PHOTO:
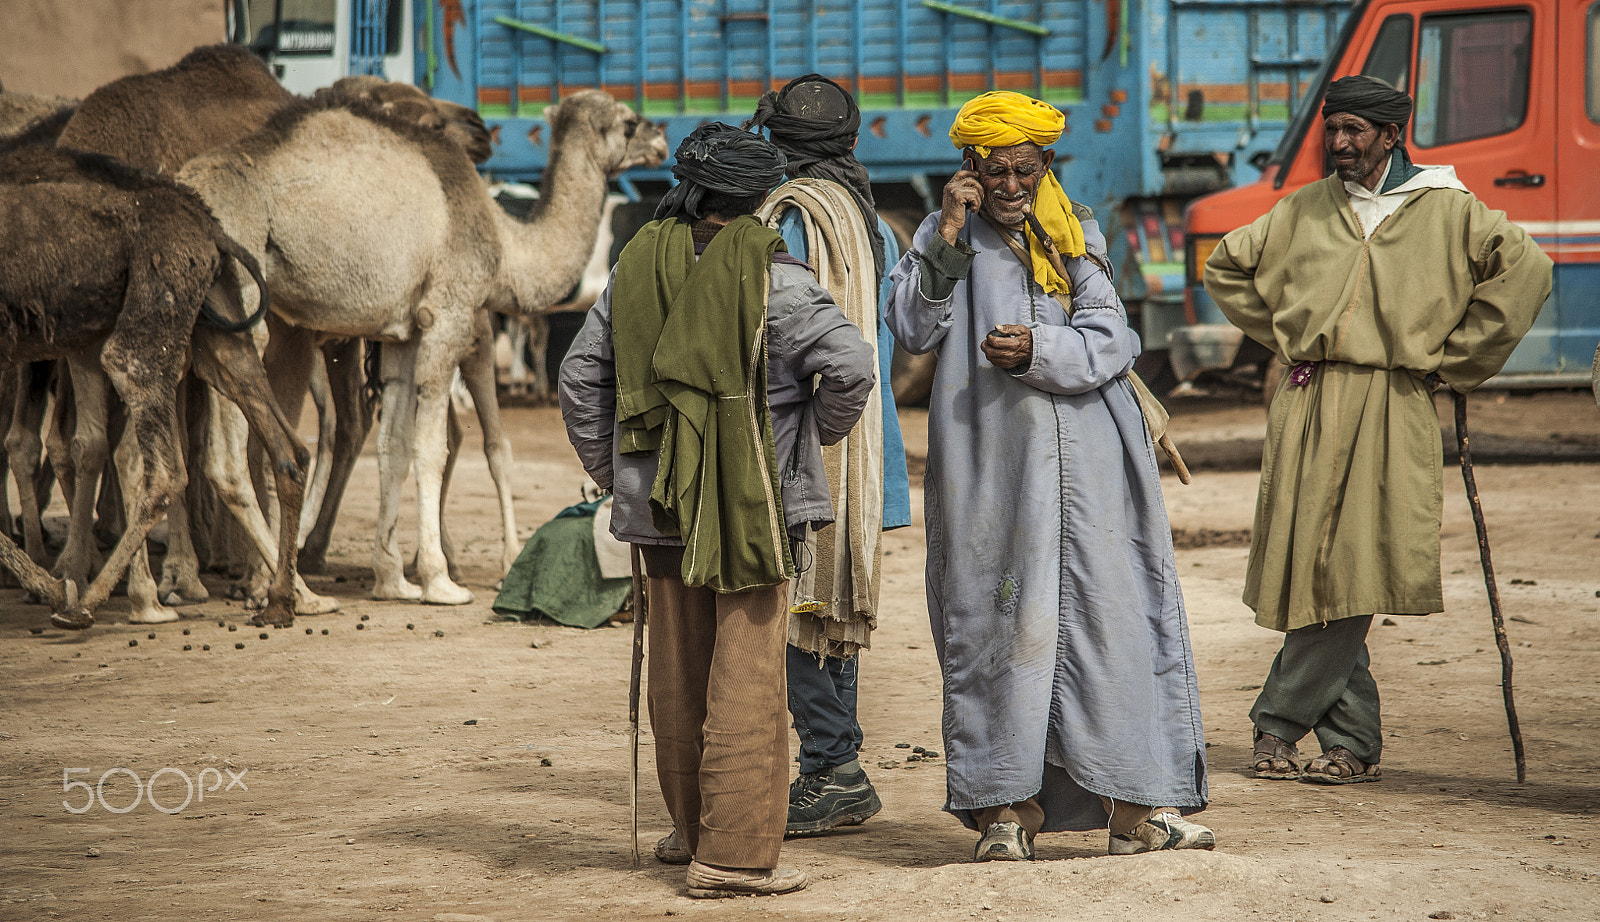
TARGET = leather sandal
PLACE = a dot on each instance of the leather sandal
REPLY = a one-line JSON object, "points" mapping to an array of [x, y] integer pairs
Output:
{"points": [[1339, 766], [1275, 759]]}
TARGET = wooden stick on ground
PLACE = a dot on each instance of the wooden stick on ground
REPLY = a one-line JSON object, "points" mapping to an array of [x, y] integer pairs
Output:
{"points": [[633, 699], [1500, 638]]}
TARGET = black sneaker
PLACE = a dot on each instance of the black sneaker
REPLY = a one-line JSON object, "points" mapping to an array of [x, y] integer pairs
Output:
{"points": [[829, 799]]}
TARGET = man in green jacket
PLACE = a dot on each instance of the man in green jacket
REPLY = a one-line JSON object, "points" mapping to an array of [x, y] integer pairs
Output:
{"points": [[1375, 285], [700, 391]]}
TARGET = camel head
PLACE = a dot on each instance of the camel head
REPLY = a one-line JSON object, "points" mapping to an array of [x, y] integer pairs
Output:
{"points": [[612, 135], [459, 124]]}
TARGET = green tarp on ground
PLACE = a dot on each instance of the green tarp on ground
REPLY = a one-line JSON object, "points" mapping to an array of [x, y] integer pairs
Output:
{"points": [[557, 576]]}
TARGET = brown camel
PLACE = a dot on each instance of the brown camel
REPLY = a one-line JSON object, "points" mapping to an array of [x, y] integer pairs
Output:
{"points": [[157, 121], [375, 228], [162, 263]]}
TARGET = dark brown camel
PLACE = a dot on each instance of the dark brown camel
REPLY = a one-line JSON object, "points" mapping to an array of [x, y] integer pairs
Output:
{"points": [[161, 263], [157, 121]]}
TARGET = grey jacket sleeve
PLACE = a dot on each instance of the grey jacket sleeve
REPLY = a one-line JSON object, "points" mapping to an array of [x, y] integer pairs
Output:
{"points": [[588, 393], [809, 333]]}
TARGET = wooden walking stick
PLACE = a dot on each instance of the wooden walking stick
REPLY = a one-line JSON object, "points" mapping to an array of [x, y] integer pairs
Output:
{"points": [[1500, 638], [633, 699]]}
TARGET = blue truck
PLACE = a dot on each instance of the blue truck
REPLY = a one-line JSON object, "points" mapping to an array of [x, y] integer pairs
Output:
{"points": [[1165, 99]]}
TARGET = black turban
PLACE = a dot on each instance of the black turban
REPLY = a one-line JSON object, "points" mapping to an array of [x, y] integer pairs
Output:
{"points": [[816, 130], [1369, 98], [720, 158]]}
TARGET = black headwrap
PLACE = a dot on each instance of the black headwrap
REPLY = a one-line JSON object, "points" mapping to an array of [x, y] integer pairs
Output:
{"points": [[1369, 98], [821, 145], [1381, 104], [720, 158]]}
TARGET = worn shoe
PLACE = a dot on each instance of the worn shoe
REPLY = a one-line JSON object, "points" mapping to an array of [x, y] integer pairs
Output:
{"points": [[671, 850], [710, 883], [1163, 832], [1004, 842], [829, 799]]}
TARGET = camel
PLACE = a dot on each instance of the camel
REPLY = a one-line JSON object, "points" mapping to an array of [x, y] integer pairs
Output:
{"points": [[157, 121], [24, 396], [161, 289], [19, 110], [369, 227]]}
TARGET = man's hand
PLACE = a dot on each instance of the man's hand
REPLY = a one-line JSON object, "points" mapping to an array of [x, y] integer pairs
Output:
{"points": [[961, 193], [1008, 345]]}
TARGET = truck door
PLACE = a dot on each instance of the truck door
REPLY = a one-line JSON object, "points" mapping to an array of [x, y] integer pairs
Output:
{"points": [[1486, 90], [1574, 242]]}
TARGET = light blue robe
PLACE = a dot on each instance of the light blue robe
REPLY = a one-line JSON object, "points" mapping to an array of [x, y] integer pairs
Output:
{"points": [[896, 479], [1052, 589]]}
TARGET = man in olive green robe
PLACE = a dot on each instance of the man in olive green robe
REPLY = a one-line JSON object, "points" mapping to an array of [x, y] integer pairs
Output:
{"points": [[1376, 285]]}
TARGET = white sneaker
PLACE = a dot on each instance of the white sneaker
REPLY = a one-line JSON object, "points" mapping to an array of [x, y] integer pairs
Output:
{"points": [[1004, 842], [1163, 832]]}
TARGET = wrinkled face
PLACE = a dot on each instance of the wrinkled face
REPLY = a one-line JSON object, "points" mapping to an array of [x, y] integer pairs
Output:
{"points": [[1357, 147], [1010, 177]]}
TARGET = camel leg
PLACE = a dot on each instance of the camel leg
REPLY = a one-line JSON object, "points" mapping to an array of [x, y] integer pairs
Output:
{"points": [[517, 376], [57, 441], [538, 349], [394, 460], [110, 519], [143, 360], [436, 362], [91, 394], [327, 427], [454, 436], [353, 416], [144, 604], [180, 571], [232, 366], [25, 452], [478, 373]]}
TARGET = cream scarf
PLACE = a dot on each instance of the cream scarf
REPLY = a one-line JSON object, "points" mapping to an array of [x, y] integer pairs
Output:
{"points": [[834, 599]]}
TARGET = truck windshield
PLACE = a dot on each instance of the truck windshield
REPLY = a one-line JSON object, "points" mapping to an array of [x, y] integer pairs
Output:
{"points": [[285, 27], [1311, 102]]}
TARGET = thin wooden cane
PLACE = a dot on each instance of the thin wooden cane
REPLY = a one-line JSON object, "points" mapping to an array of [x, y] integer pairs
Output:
{"points": [[1500, 638], [639, 608]]}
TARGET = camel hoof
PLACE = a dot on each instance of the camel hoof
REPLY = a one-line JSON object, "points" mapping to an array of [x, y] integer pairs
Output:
{"points": [[154, 616], [444, 592], [315, 565], [309, 603], [183, 592], [397, 592], [273, 618], [73, 619]]}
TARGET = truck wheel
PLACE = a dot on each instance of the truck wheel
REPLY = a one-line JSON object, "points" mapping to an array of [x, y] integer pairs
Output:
{"points": [[911, 377], [1594, 376], [1270, 379]]}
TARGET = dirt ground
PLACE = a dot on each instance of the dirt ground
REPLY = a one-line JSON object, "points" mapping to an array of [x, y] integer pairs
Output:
{"points": [[397, 761]]}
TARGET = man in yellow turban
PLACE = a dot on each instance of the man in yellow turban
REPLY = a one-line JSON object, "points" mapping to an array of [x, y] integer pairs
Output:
{"points": [[1070, 700]]}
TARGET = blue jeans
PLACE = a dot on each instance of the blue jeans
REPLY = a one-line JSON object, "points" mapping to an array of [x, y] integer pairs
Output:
{"points": [[823, 704]]}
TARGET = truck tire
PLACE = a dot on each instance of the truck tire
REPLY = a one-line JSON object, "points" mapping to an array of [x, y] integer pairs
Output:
{"points": [[911, 377], [1594, 376], [1271, 377]]}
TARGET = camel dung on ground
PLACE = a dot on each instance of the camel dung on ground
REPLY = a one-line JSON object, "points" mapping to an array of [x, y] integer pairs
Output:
{"points": [[162, 263], [368, 227]]}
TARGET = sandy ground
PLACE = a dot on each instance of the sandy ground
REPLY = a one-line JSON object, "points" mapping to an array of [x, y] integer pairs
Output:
{"points": [[408, 762]]}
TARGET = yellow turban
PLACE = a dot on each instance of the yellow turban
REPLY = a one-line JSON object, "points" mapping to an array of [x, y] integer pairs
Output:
{"points": [[1004, 119]]}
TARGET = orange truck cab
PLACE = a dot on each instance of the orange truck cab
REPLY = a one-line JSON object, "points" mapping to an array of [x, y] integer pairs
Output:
{"points": [[1509, 94]]}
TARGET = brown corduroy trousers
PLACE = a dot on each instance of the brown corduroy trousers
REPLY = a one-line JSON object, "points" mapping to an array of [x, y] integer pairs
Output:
{"points": [[719, 713]]}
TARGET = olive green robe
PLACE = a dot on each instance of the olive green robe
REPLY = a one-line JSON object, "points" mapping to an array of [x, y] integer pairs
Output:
{"points": [[1347, 519]]}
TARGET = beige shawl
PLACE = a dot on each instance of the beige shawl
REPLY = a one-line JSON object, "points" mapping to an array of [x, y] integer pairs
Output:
{"points": [[834, 599]]}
